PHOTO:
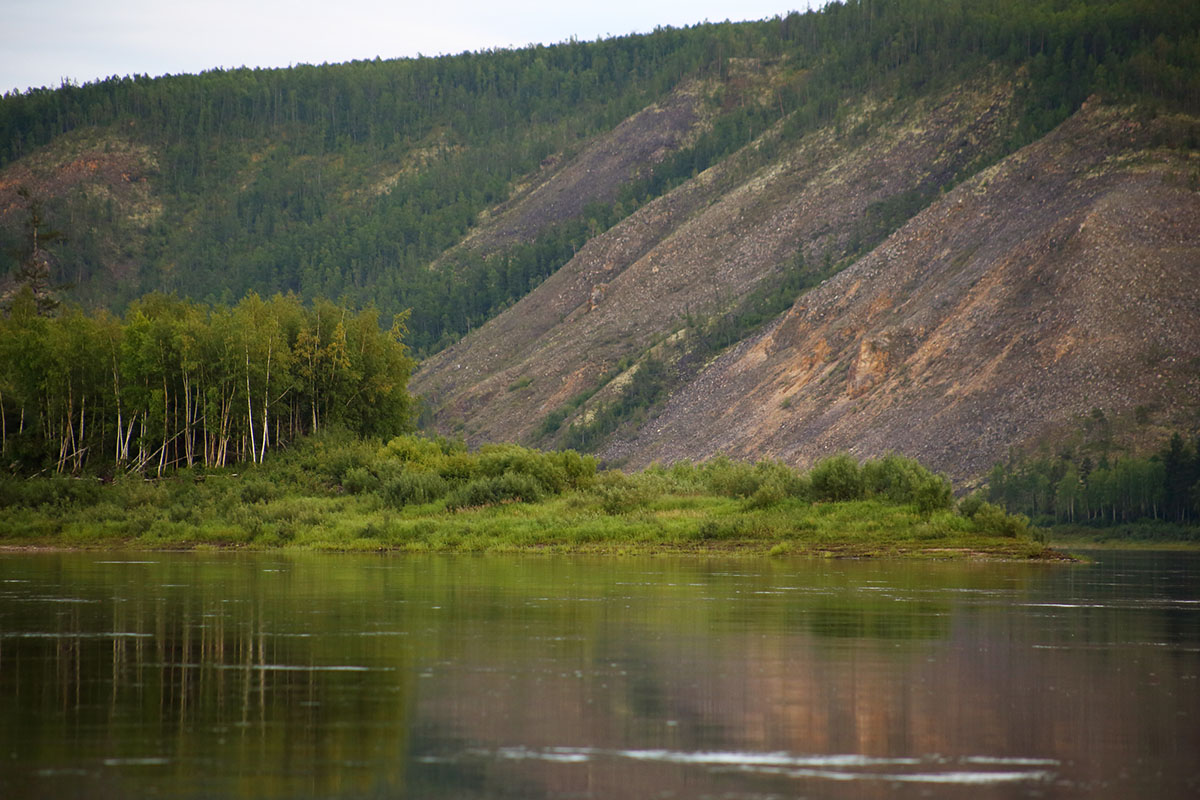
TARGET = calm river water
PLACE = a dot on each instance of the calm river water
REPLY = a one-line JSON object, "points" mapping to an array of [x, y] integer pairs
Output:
{"points": [[273, 676]]}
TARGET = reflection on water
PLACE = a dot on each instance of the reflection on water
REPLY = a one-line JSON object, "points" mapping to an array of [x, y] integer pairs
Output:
{"points": [[269, 676]]}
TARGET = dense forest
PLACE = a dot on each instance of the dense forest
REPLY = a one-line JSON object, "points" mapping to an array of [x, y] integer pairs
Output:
{"points": [[1079, 486], [350, 180], [175, 383]]}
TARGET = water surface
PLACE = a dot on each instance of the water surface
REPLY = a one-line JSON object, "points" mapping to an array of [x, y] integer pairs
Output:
{"points": [[218, 675]]}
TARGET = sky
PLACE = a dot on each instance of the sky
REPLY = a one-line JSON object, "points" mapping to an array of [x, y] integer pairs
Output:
{"points": [[43, 42]]}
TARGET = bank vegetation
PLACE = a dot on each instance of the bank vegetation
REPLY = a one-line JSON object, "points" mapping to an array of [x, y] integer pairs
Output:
{"points": [[337, 491]]}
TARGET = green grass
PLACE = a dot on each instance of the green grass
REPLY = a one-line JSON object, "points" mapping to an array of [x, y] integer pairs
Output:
{"points": [[341, 495], [1156, 535]]}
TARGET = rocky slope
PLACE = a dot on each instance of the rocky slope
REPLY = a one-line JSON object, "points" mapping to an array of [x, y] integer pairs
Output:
{"points": [[694, 251], [1064, 279], [1060, 280]]}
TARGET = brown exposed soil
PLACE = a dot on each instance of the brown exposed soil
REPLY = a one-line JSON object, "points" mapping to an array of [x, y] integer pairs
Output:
{"points": [[695, 250], [1061, 280], [564, 187], [1064, 279]]}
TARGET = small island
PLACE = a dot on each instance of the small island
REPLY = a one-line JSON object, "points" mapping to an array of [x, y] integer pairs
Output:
{"points": [[279, 424], [338, 492]]}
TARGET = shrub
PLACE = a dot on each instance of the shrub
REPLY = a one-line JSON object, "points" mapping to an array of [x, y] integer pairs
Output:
{"points": [[458, 468], [991, 519], [257, 490], [509, 487], [414, 450], [730, 478], [836, 478], [618, 493], [554, 471], [933, 494], [61, 489], [770, 493], [970, 505], [789, 480], [358, 480], [413, 487]]}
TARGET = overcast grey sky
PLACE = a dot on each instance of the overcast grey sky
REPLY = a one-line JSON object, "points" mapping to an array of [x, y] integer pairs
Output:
{"points": [[44, 41]]}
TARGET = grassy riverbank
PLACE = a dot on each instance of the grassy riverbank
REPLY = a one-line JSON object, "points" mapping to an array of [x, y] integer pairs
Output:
{"points": [[1128, 536], [340, 494]]}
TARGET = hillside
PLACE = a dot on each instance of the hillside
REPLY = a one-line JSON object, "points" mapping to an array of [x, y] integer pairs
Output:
{"points": [[1063, 280], [695, 251], [881, 226]]}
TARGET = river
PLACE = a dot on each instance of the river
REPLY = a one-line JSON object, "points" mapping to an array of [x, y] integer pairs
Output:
{"points": [[278, 676]]}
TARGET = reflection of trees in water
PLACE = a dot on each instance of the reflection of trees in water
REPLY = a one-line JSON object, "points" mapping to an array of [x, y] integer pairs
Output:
{"points": [[230, 681], [228, 669]]}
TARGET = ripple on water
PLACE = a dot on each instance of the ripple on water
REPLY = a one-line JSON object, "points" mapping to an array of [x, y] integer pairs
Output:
{"points": [[836, 767]]}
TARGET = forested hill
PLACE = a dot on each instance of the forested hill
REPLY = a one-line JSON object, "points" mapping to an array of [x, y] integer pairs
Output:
{"points": [[350, 180], [600, 220]]}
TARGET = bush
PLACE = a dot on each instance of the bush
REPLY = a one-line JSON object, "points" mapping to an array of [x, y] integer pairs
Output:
{"points": [[991, 519], [257, 490], [903, 480], [332, 453], [458, 468], [358, 480], [969, 506], [413, 487], [836, 478], [415, 450], [618, 493], [509, 487], [730, 478], [768, 494], [60, 489], [933, 494], [789, 480]]}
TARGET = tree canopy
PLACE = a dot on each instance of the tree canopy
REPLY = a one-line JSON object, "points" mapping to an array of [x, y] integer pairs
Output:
{"points": [[174, 382]]}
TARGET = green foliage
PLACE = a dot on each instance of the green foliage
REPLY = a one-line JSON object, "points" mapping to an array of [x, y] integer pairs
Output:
{"points": [[359, 480], [414, 487], [991, 519], [1082, 485], [769, 299], [175, 383], [903, 480], [729, 478], [618, 493], [971, 504], [514, 487], [768, 494], [644, 390], [431, 494], [837, 478]]}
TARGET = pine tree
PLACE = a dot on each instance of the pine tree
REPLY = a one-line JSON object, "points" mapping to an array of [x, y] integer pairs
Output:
{"points": [[34, 260]]}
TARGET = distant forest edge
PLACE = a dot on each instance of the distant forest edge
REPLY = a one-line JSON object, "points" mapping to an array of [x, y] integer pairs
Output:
{"points": [[1072, 487], [350, 180]]}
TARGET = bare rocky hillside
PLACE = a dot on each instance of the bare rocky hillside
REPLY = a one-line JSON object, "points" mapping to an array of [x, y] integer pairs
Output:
{"points": [[1065, 279], [694, 251], [564, 186]]}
